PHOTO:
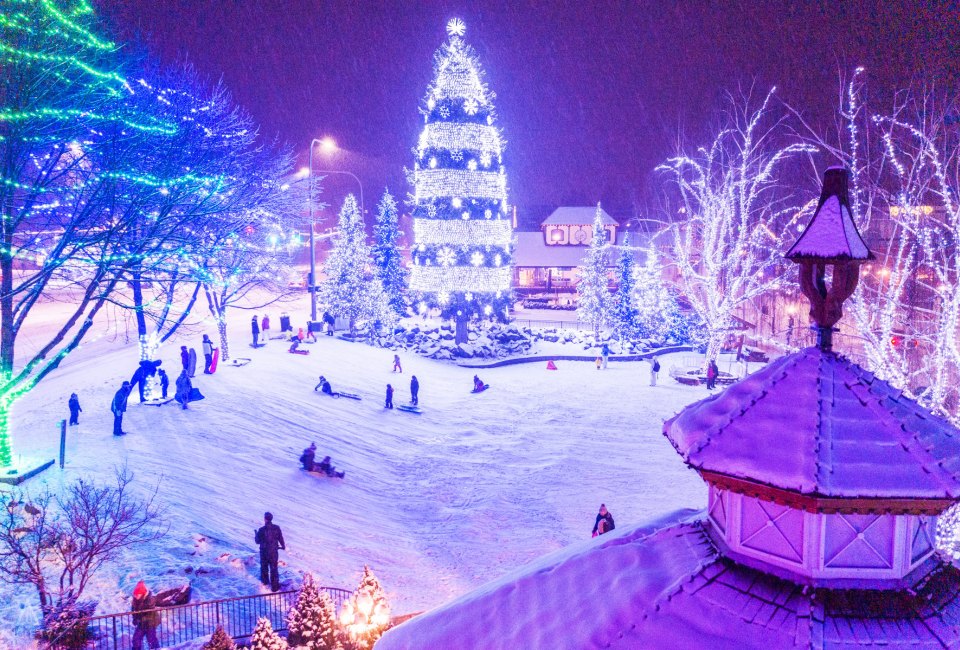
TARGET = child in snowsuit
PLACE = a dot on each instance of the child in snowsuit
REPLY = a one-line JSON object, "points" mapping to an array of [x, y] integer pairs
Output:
{"points": [[207, 355], [604, 354], [164, 382], [184, 388], [327, 468], [265, 330], [396, 364], [325, 387], [74, 406], [308, 457], [294, 344], [414, 391], [654, 370], [255, 330], [604, 523], [389, 402], [712, 372], [477, 384], [184, 357], [146, 618]]}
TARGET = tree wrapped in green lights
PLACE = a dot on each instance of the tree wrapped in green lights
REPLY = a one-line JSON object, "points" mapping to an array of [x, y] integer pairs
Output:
{"points": [[462, 226]]}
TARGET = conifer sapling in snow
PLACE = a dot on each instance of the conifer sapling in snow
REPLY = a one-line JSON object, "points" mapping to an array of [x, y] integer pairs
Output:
{"points": [[366, 615], [593, 306], [220, 640], [264, 638], [386, 253], [624, 312], [312, 622]]}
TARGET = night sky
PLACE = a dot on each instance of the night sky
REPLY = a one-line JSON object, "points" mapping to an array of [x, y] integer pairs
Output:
{"points": [[590, 95]]}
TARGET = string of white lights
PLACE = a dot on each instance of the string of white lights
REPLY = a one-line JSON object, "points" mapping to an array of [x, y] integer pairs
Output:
{"points": [[473, 232], [459, 278], [433, 183], [460, 136]]}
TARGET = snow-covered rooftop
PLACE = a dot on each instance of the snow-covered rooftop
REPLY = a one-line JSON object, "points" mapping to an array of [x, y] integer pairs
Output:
{"points": [[817, 424], [576, 215], [830, 234], [664, 585], [532, 251]]}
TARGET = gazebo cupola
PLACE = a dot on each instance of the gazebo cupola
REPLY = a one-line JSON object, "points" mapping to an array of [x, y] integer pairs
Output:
{"points": [[818, 471]]}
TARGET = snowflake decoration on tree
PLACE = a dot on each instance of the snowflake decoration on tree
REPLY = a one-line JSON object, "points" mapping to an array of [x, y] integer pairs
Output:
{"points": [[486, 159], [456, 27], [471, 106], [456, 155], [443, 297], [446, 257], [477, 258], [444, 112]]}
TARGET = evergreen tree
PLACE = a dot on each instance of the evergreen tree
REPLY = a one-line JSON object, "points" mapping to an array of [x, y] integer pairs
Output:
{"points": [[624, 312], [593, 306], [658, 314], [312, 622], [462, 225], [386, 253], [264, 638], [348, 291], [367, 613], [220, 640]]}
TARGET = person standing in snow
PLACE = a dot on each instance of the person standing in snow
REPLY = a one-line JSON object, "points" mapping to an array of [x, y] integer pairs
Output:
{"points": [[164, 382], [74, 405], [605, 354], [414, 391], [146, 618], [184, 388], [255, 329], [606, 518], [265, 328], [207, 355], [712, 373], [389, 403], [139, 378], [396, 364], [270, 539], [330, 321], [184, 357], [119, 407], [654, 370]]}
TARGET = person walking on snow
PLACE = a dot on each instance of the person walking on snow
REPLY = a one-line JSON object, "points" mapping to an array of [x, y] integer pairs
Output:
{"points": [[712, 373], [184, 357], [255, 329], [606, 518], [74, 405], [146, 618], [184, 388], [389, 403], [604, 354], [654, 370], [414, 391], [396, 364], [119, 407], [164, 382], [207, 355], [265, 329], [270, 539]]}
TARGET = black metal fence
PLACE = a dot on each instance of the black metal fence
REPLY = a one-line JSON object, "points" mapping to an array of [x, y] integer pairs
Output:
{"points": [[181, 623]]}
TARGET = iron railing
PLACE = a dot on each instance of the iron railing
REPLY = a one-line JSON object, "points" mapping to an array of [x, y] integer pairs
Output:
{"points": [[181, 623], [553, 324]]}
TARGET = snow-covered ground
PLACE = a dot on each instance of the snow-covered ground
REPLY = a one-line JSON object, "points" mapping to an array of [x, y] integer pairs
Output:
{"points": [[436, 504]]}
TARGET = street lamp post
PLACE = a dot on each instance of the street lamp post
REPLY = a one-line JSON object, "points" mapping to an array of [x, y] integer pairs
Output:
{"points": [[329, 145]]}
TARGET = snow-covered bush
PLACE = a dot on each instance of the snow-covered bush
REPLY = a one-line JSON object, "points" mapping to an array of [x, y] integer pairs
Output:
{"points": [[220, 640], [66, 626], [366, 616], [312, 622], [264, 638]]}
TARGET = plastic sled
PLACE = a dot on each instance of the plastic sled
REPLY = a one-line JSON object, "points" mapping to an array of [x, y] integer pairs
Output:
{"points": [[409, 408], [299, 351], [160, 401], [237, 362], [480, 390], [349, 395], [195, 394]]}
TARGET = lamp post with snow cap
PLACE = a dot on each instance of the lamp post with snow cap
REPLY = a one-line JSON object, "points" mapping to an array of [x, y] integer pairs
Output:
{"points": [[328, 146]]}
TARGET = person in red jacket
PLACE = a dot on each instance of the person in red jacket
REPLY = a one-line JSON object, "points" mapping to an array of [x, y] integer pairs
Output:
{"points": [[146, 617]]}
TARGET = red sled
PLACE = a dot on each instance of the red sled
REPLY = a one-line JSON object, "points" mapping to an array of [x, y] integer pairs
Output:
{"points": [[551, 365], [213, 363]]}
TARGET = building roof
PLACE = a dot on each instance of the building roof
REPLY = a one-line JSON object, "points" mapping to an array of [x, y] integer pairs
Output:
{"points": [[665, 585], [831, 233], [578, 216], [531, 251], [814, 423]]}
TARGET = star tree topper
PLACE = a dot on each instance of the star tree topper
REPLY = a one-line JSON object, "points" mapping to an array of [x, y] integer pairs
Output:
{"points": [[456, 27]]}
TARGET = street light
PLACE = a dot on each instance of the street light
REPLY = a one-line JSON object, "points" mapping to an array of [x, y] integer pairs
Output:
{"points": [[327, 145]]}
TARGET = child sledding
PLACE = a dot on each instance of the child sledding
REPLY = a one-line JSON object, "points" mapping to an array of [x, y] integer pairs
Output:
{"points": [[325, 467], [324, 387], [478, 385], [295, 346]]}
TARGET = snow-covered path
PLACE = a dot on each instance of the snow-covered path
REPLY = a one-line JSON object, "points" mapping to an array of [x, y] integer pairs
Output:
{"points": [[436, 504]]}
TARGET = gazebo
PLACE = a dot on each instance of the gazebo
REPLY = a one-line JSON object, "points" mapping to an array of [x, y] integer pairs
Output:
{"points": [[825, 484]]}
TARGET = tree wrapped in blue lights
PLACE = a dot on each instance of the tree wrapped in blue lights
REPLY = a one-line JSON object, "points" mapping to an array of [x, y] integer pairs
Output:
{"points": [[624, 314], [462, 229], [386, 253]]}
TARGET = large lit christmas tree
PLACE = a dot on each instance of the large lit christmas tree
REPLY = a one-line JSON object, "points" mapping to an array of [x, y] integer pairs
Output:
{"points": [[462, 230]]}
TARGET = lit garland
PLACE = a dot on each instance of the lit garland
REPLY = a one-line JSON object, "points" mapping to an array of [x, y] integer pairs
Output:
{"points": [[463, 237]]}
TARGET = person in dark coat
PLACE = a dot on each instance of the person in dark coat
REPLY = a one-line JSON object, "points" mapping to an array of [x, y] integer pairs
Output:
{"points": [[184, 388], [712, 373], [326, 466], [74, 405], [414, 391], [164, 382], [329, 320], [139, 379], [270, 539], [389, 402], [207, 355], [184, 357], [606, 518], [119, 407], [324, 387], [255, 329], [146, 618], [309, 456]]}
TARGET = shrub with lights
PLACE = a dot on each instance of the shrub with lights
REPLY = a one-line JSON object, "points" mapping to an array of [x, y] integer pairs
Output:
{"points": [[462, 228], [366, 616]]}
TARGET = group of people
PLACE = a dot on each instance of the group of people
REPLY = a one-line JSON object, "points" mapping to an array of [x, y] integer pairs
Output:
{"points": [[308, 459]]}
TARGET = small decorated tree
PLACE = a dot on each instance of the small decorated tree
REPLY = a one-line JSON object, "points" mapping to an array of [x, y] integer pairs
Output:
{"points": [[264, 638], [657, 309], [312, 623], [387, 262], [328, 631], [220, 640], [593, 306], [366, 616]]}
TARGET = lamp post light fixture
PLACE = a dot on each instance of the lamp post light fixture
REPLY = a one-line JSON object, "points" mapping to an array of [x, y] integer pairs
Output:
{"points": [[328, 146]]}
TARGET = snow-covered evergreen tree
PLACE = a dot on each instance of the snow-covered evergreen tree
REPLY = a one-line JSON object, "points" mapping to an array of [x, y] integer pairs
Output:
{"points": [[220, 640], [367, 614], [387, 261], [594, 302], [624, 312], [312, 622], [349, 291], [653, 299], [264, 638], [461, 223]]}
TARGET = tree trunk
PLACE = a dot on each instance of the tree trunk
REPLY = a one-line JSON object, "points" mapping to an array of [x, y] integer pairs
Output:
{"points": [[222, 329]]}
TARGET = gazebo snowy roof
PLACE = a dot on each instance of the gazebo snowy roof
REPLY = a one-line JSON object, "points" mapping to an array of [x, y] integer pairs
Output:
{"points": [[574, 216], [816, 424], [831, 234], [665, 585]]}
